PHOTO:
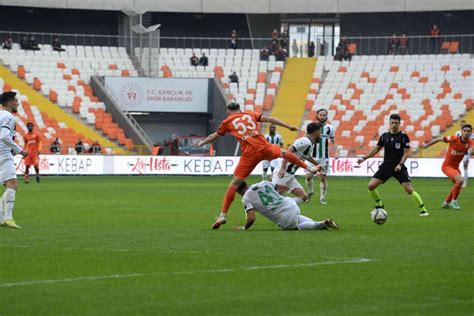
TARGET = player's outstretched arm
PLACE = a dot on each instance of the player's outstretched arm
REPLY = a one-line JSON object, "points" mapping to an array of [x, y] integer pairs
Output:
{"points": [[432, 142], [334, 148], [208, 139], [372, 153], [250, 215], [278, 122]]}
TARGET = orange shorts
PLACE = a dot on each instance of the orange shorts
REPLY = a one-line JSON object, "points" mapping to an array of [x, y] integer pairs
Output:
{"points": [[451, 171], [31, 160], [249, 160]]}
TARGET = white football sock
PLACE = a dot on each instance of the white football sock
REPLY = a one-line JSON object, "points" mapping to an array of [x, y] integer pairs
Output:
{"points": [[2, 208], [466, 175], [306, 223], [9, 197], [322, 190], [298, 200], [309, 183]]}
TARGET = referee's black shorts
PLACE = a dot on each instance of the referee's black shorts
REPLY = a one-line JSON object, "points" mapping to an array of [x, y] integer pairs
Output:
{"points": [[386, 172]]}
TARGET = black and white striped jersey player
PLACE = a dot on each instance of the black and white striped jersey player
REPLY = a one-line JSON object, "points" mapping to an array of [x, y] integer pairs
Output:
{"points": [[283, 211], [321, 155], [273, 138], [465, 160], [285, 179]]}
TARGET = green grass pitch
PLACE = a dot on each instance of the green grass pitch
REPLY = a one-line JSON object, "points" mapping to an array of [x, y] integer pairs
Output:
{"points": [[143, 245]]}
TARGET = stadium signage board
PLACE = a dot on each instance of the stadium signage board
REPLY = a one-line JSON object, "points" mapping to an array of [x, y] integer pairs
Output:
{"points": [[188, 165], [160, 94]]}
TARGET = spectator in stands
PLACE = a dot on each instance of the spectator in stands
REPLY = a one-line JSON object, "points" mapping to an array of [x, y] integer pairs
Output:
{"points": [[79, 147], [312, 49], [234, 78], [280, 54], [203, 61], [264, 53], [275, 34], [294, 48], [435, 32], [24, 43], [393, 45], [8, 44], [274, 44], [95, 148], [403, 44], [194, 60], [233, 39], [55, 146], [33, 44], [285, 38], [322, 48], [57, 45]]}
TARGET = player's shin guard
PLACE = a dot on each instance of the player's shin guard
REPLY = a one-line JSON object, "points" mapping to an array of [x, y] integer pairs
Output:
{"points": [[294, 160], [418, 201], [376, 197], [9, 197], [228, 199]]}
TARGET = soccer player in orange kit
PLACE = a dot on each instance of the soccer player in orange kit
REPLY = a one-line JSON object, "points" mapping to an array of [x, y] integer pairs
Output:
{"points": [[244, 127], [32, 146], [458, 147]]}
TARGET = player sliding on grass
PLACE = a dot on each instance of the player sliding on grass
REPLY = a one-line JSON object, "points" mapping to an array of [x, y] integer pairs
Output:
{"points": [[396, 148], [459, 146], [283, 211], [7, 165], [244, 127]]}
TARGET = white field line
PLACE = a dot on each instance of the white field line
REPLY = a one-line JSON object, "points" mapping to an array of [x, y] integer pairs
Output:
{"points": [[140, 275]]}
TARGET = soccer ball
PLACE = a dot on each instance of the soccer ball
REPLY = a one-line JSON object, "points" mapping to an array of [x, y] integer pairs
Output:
{"points": [[379, 216]]}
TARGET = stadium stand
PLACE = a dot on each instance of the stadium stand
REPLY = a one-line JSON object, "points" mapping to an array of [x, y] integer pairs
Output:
{"points": [[428, 91], [258, 80], [64, 78]]}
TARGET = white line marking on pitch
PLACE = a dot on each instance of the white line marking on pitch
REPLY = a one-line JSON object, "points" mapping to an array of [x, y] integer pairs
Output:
{"points": [[225, 270]]}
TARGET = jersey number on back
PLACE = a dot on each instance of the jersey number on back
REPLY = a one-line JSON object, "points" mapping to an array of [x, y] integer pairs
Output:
{"points": [[244, 123], [270, 197]]}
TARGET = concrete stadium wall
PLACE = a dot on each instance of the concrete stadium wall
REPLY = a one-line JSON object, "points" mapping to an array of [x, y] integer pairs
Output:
{"points": [[254, 6]]}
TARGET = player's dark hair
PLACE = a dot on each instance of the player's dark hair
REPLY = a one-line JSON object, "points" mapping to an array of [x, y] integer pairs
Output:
{"points": [[233, 106], [321, 110], [468, 126], [242, 187], [312, 127], [29, 124], [395, 117], [7, 97]]}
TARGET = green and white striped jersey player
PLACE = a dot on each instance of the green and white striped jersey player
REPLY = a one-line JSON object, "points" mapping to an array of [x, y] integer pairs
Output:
{"points": [[273, 138], [285, 179], [283, 211], [321, 155]]}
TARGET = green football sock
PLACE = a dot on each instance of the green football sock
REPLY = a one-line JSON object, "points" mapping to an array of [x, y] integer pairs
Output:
{"points": [[376, 197], [418, 201]]}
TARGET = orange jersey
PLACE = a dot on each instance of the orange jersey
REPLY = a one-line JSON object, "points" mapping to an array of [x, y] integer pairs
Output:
{"points": [[456, 150], [32, 142], [244, 127]]}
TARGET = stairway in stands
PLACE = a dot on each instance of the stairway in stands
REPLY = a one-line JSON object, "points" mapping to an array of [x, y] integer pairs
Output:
{"points": [[291, 99]]}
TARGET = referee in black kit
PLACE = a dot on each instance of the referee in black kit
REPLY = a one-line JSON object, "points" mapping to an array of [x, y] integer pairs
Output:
{"points": [[396, 145]]}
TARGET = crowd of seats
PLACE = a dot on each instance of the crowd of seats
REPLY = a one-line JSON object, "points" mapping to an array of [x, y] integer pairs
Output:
{"points": [[64, 77], [258, 80], [428, 91]]}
